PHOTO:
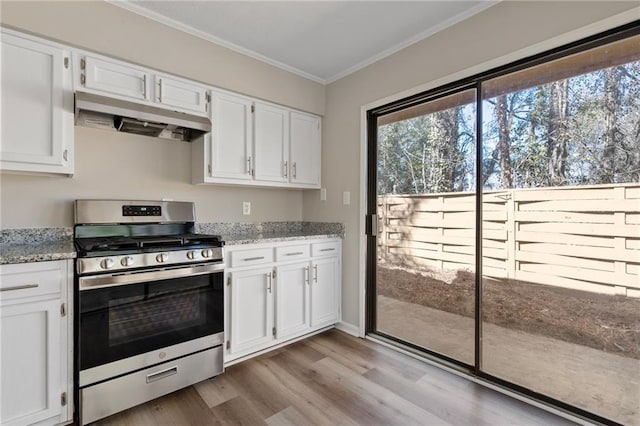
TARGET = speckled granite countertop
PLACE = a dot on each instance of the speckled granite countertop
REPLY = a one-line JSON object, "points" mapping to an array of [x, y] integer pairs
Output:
{"points": [[43, 244], [271, 232], [36, 245]]}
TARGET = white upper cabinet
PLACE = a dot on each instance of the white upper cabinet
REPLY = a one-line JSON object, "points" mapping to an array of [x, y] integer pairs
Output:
{"points": [[259, 144], [305, 149], [271, 141], [181, 94], [231, 140], [37, 106], [114, 78], [117, 79]]}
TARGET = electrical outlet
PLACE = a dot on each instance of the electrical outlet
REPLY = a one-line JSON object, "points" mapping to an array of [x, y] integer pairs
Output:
{"points": [[246, 208], [346, 198], [323, 194]]}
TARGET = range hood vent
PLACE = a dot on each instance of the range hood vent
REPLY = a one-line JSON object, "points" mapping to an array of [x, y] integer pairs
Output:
{"points": [[130, 117]]}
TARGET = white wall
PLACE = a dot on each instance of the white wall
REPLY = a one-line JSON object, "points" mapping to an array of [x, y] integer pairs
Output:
{"points": [[504, 29], [128, 166]]}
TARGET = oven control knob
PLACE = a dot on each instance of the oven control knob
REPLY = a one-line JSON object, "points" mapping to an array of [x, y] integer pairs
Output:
{"points": [[162, 257], [106, 263], [191, 254], [127, 261], [207, 253]]}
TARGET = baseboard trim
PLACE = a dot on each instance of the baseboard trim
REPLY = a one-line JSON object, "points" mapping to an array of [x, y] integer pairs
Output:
{"points": [[348, 328]]}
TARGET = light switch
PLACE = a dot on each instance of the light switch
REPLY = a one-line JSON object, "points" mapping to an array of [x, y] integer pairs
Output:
{"points": [[246, 208], [346, 198], [323, 194]]}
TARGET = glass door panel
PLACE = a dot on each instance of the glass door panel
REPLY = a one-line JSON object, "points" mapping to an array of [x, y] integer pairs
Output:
{"points": [[426, 209], [560, 305]]}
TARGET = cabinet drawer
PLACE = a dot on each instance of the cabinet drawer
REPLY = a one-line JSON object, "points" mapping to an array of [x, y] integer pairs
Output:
{"points": [[251, 257], [292, 252], [31, 279], [325, 249]]}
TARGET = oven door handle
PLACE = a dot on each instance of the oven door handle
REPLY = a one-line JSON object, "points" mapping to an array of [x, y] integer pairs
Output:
{"points": [[102, 281]]}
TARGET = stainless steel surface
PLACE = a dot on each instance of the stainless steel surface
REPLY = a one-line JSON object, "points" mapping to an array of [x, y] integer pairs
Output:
{"points": [[110, 212], [19, 287], [122, 366], [110, 397], [162, 257], [106, 263], [141, 112], [87, 265], [112, 280], [154, 377]]}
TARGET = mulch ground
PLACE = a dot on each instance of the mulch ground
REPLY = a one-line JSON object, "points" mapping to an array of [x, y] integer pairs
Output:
{"points": [[607, 323]]}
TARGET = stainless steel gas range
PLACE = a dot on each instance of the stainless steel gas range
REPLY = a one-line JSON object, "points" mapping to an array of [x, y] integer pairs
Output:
{"points": [[149, 303]]}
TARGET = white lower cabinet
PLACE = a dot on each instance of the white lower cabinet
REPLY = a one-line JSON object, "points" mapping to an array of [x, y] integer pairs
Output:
{"points": [[292, 292], [292, 299], [35, 343], [251, 306]]}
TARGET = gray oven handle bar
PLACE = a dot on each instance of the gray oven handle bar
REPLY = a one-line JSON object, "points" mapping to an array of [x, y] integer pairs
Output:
{"points": [[101, 281]]}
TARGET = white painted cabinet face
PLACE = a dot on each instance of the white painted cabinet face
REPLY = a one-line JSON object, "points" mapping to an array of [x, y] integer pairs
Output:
{"points": [[324, 291], [35, 354], [305, 149], [251, 309], [232, 137], [292, 299], [37, 107], [115, 78], [180, 94], [271, 141]]}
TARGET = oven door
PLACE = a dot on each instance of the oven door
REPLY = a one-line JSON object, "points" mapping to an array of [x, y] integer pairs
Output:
{"points": [[125, 316]]}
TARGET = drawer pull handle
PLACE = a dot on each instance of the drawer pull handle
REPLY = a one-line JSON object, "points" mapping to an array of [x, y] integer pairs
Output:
{"points": [[294, 253], [249, 259], [162, 374], [315, 276], [328, 249], [19, 287]]}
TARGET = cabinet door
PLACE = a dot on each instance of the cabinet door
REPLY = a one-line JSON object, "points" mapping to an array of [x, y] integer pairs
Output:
{"points": [[305, 149], [30, 363], [231, 137], [324, 291], [251, 309], [115, 78], [271, 143], [180, 94], [37, 107], [292, 299]]}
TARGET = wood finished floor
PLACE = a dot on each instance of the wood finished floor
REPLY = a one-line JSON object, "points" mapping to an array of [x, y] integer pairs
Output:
{"points": [[335, 379]]}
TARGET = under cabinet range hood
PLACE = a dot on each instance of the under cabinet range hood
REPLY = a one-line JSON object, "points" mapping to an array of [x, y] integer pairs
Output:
{"points": [[123, 116]]}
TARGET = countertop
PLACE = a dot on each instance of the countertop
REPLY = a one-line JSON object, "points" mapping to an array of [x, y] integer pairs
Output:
{"points": [[40, 252], [44, 244], [273, 237], [36, 245]]}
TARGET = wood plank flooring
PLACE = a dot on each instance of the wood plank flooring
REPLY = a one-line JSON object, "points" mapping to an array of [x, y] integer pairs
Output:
{"points": [[335, 379]]}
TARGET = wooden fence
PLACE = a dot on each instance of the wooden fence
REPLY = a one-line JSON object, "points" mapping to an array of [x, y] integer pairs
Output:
{"points": [[585, 238]]}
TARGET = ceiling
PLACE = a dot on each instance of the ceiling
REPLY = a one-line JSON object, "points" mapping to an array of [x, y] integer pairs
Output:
{"points": [[320, 40]]}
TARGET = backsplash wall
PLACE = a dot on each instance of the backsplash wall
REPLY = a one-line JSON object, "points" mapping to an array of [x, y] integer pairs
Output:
{"points": [[124, 166]]}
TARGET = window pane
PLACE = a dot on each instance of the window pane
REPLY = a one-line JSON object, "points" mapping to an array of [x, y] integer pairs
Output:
{"points": [[426, 238], [561, 229]]}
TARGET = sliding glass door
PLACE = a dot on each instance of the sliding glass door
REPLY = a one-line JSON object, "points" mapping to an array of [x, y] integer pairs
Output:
{"points": [[505, 225], [426, 216]]}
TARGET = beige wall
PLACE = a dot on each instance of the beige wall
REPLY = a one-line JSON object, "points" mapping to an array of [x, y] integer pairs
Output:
{"points": [[129, 166], [501, 30]]}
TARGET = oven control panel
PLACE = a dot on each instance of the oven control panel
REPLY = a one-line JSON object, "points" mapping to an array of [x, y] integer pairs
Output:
{"points": [[141, 210]]}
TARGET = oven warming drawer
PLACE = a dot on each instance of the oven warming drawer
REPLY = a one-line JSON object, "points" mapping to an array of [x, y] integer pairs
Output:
{"points": [[107, 398]]}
